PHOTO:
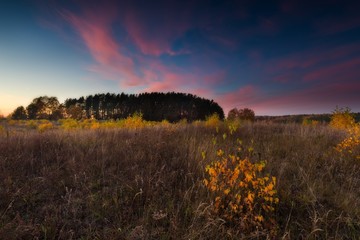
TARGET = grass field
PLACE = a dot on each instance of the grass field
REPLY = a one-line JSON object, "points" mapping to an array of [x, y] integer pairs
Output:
{"points": [[148, 182]]}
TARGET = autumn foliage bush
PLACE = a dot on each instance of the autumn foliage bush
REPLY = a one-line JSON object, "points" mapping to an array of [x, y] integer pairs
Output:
{"points": [[350, 146], [42, 127], [342, 118], [212, 121], [243, 194]]}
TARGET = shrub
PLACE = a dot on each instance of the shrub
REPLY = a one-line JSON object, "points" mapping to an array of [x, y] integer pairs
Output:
{"points": [[213, 121], [342, 118], [45, 126], [245, 114], [135, 121], [32, 124], [350, 145], [89, 124], [108, 124], [68, 124], [242, 194], [309, 122], [233, 125]]}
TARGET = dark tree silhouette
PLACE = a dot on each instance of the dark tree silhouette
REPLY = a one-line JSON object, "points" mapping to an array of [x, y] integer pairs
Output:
{"points": [[153, 106], [233, 114], [45, 108], [19, 113], [241, 114]]}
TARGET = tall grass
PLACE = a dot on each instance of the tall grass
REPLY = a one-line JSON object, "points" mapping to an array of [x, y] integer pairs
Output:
{"points": [[147, 183]]}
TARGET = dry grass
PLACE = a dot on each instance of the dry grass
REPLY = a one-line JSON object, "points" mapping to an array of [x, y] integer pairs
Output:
{"points": [[148, 183]]}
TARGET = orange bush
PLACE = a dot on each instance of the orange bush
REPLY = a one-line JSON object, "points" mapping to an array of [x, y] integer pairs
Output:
{"points": [[213, 121], [351, 144], [342, 118], [242, 194]]}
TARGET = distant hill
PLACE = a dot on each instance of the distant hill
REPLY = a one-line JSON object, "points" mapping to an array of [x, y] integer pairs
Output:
{"points": [[323, 118]]}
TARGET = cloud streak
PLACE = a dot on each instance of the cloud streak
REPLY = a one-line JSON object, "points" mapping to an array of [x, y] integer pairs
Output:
{"points": [[97, 37]]}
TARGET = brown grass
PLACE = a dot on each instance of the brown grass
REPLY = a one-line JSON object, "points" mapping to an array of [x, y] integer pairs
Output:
{"points": [[148, 183]]}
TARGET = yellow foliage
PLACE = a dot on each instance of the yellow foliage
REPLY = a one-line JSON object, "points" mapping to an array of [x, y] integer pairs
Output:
{"points": [[351, 144], [45, 126], [309, 122], [213, 121], [108, 124], [165, 123], [12, 122], [233, 125], [342, 118], [242, 194], [182, 122], [89, 124], [197, 123], [94, 125], [135, 121], [69, 124]]}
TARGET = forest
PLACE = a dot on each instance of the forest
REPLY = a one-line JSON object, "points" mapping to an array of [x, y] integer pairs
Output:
{"points": [[155, 106]]}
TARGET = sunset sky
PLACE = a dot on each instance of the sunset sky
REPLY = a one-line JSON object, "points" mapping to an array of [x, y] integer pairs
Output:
{"points": [[276, 57]]}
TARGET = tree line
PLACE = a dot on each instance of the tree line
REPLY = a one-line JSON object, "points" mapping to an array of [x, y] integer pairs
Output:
{"points": [[153, 107]]}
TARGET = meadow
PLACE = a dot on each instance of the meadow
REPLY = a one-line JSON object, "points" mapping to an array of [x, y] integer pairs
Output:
{"points": [[133, 179]]}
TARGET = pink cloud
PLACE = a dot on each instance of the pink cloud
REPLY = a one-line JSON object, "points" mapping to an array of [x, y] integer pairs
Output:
{"points": [[330, 71], [149, 46], [310, 100], [96, 34], [156, 40], [242, 97], [311, 58], [284, 78], [171, 80]]}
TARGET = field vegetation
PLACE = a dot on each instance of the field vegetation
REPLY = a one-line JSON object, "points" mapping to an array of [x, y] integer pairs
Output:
{"points": [[212, 179]]}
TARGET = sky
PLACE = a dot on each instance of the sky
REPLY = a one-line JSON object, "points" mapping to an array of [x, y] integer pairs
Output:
{"points": [[275, 57]]}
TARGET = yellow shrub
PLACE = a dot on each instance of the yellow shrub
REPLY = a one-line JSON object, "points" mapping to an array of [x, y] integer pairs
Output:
{"points": [[12, 122], [135, 121], [342, 118], [32, 124], [182, 122], [94, 125], [197, 123], [165, 123], [108, 124], [351, 144], [233, 125], [309, 122], [213, 121], [242, 194], [89, 124], [45, 126], [69, 124]]}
